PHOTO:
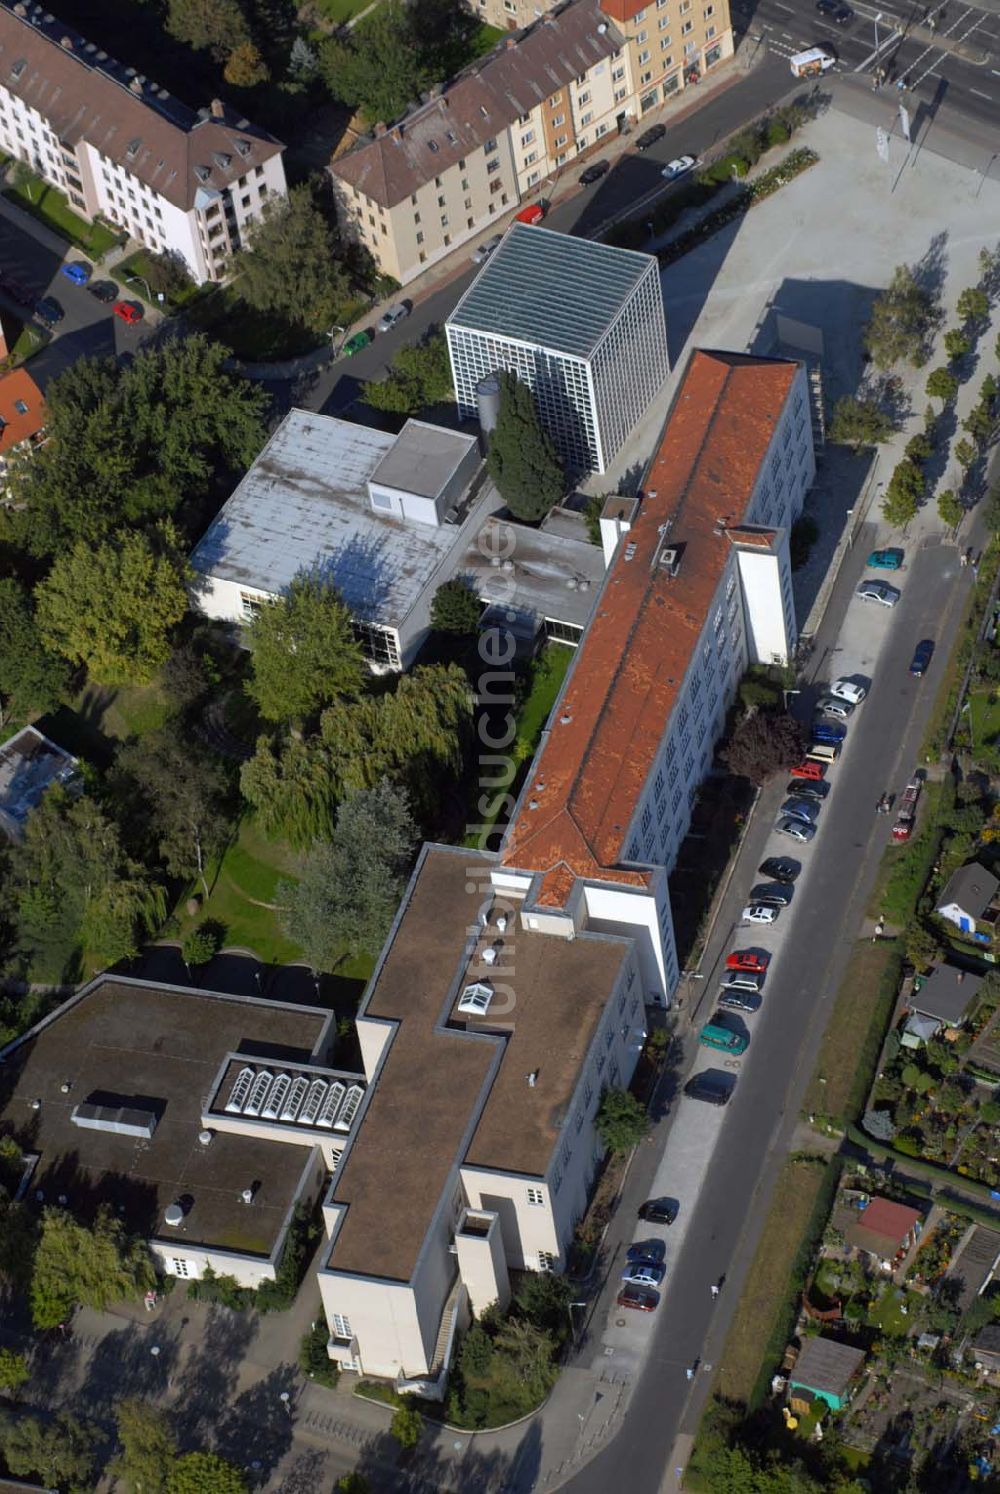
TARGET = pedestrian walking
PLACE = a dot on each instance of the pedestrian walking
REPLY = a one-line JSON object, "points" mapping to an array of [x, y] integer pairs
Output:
{"points": [[714, 1289], [689, 1372]]}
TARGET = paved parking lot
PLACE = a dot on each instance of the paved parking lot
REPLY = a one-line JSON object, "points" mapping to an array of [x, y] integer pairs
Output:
{"points": [[88, 328]]}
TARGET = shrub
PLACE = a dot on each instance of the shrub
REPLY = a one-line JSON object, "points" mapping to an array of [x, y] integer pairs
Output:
{"points": [[777, 132], [621, 1122], [314, 1361], [956, 343], [407, 1426], [202, 944], [918, 448]]}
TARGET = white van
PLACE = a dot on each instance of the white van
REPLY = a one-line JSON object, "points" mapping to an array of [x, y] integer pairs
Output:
{"points": [[809, 64]]}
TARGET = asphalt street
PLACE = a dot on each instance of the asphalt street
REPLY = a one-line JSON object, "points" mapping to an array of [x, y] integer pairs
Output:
{"points": [[885, 736]]}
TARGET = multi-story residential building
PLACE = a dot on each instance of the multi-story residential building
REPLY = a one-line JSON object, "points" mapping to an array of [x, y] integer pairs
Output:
{"points": [[180, 182], [415, 189], [669, 44], [511, 989], [580, 323], [22, 420]]}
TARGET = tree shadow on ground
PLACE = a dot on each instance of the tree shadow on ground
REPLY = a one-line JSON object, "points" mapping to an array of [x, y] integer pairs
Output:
{"points": [[256, 1429], [205, 1385], [122, 1365], [428, 1470]]}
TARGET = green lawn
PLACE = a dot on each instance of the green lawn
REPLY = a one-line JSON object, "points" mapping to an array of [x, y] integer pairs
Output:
{"points": [[985, 717], [887, 1316], [51, 208], [129, 271], [102, 715], [247, 877], [339, 11], [484, 40]]}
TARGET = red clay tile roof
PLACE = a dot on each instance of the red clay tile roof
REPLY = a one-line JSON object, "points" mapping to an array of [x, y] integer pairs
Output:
{"points": [[893, 1221], [18, 387], [623, 10], [606, 728]]}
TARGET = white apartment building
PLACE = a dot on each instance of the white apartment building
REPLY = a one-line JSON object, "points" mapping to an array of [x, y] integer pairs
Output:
{"points": [[581, 323], [180, 182], [471, 152]]}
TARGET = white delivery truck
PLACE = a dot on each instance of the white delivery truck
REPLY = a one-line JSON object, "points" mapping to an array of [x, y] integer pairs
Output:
{"points": [[809, 64]]}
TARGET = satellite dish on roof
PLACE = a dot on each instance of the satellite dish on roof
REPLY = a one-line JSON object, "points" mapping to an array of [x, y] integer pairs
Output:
{"points": [[173, 1215]]}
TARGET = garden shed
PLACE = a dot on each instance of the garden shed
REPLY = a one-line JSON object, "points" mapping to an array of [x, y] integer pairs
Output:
{"points": [[826, 1370]]}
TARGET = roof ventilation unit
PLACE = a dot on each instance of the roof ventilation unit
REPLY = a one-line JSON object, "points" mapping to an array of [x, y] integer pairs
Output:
{"points": [[173, 1215], [670, 560], [205, 1138]]}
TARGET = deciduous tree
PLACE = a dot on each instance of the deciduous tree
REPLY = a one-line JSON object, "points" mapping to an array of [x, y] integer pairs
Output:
{"points": [[214, 26], [111, 607], [407, 1425], [621, 1122], [949, 509], [304, 652], [178, 800], [901, 320], [32, 678], [522, 459], [351, 886], [245, 67], [942, 384], [14, 1371], [148, 1448], [973, 306], [956, 343], [764, 743], [965, 453], [205, 1473], [419, 378], [130, 443], [61, 1452], [859, 423], [903, 493], [292, 267], [92, 1267], [293, 790], [382, 64]]}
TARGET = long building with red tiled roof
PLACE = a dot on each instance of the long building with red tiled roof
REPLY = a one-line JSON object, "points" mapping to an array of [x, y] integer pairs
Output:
{"points": [[699, 586], [511, 988]]}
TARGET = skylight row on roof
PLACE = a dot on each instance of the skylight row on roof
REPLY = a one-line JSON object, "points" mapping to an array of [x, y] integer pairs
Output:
{"points": [[329, 1105]]}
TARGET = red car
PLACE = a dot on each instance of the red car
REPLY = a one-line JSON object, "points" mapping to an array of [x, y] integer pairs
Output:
{"points": [[643, 1299], [748, 959], [811, 770], [129, 311], [534, 213]]}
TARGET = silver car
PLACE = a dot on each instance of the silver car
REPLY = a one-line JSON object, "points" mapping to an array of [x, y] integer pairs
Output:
{"points": [[395, 314], [878, 591], [796, 830], [832, 705], [482, 254]]}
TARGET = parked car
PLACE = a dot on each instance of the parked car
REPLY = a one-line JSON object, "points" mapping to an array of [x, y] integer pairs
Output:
{"points": [[643, 1299], [643, 1273], [649, 137], [781, 868], [922, 656], [357, 343], [77, 270], [679, 167], [713, 1088], [771, 894], [646, 1250], [659, 1210], [885, 560], [17, 291], [829, 731], [805, 788], [533, 213], [848, 690], [801, 809], [748, 959], [104, 291], [129, 311], [742, 980], [758, 913], [397, 313], [878, 591], [796, 830], [738, 1001], [481, 255], [832, 705], [835, 10], [808, 769], [49, 311], [594, 173]]}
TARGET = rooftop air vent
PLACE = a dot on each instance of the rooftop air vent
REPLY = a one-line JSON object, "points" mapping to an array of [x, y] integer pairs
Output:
{"points": [[205, 1138], [247, 1196], [532, 1078], [489, 955], [173, 1215], [476, 998], [670, 560], [502, 923]]}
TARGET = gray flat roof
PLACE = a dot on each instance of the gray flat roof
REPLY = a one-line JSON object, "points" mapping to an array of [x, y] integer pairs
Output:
{"points": [[423, 459], [551, 289], [304, 506], [542, 573], [157, 1047], [29, 763]]}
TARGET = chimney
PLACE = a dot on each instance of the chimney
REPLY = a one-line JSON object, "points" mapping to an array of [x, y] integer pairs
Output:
{"points": [[510, 42], [380, 129], [218, 109], [66, 42], [136, 87], [20, 9]]}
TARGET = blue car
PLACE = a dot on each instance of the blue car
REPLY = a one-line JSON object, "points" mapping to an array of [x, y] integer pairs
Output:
{"points": [[922, 656], [885, 560], [826, 731], [77, 271]]}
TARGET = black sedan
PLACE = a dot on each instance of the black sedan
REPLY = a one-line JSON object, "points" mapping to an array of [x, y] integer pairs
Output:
{"points": [[771, 895], [805, 789], [659, 1210], [104, 291], [922, 656], [835, 10], [594, 173], [49, 311], [649, 137], [781, 868]]}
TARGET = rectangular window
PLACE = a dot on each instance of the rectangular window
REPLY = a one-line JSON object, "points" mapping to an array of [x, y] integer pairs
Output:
{"points": [[557, 120], [340, 1326], [546, 1260], [643, 58], [586, 118], [687, 28], [583, 98], [181, 1267], [536, 1198], [527, 138]]}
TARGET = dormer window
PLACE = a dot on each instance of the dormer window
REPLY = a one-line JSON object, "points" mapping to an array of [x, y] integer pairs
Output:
{"points": [[19, 67], [202, 173], [244, 148], [432, 145], [476, 998], [132, 149], [222, 160]]}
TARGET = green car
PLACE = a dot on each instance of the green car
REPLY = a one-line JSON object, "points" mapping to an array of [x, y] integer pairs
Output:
{"points": [[886, 560], [357, 342]]}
